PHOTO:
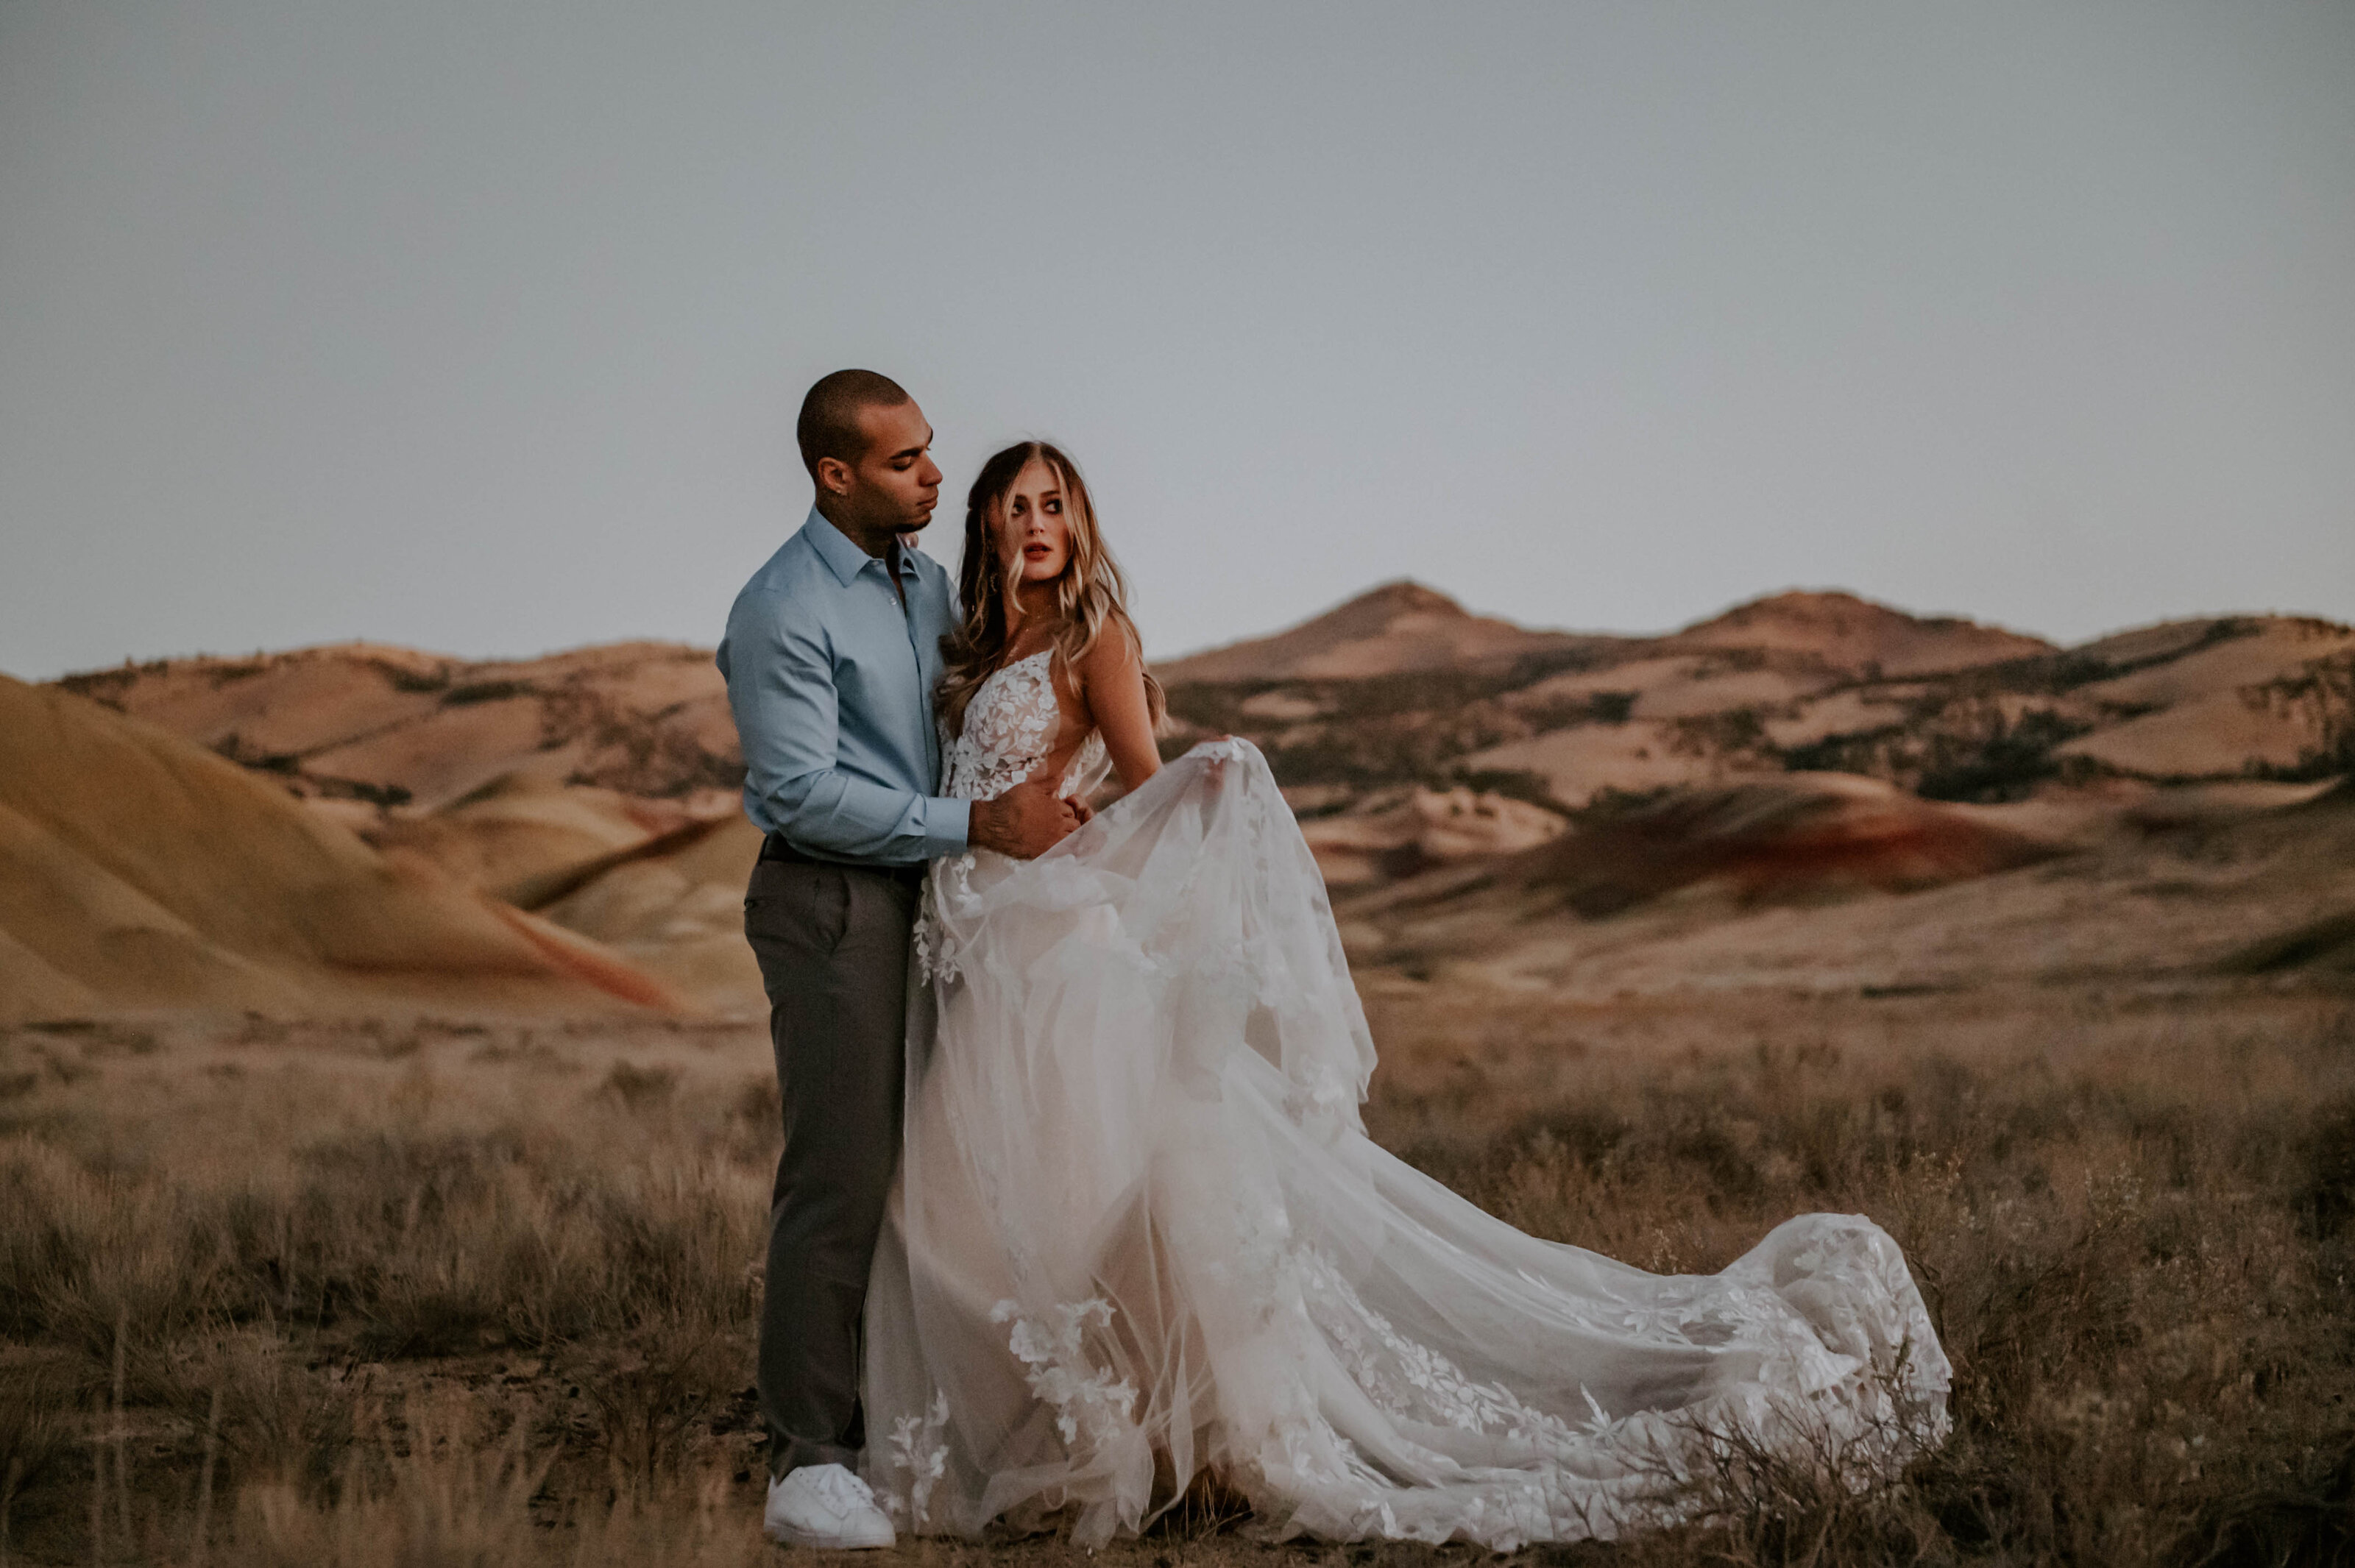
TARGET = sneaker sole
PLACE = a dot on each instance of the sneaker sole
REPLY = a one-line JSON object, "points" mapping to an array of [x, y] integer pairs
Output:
{"points": [[786, 1535]]}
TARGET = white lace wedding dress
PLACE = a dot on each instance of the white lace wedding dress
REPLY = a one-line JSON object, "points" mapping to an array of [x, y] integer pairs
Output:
{"points": [[1140, 1230]]}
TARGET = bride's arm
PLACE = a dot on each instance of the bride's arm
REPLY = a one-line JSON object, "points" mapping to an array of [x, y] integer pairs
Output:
{"points": [[1113, 685]]}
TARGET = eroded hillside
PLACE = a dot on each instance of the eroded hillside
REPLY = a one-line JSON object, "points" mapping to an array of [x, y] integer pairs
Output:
{"points": [[396, 727], [1346, 705]]}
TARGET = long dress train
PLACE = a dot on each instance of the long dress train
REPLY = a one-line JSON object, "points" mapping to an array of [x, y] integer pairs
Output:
{"points": [[1140, 1230]]}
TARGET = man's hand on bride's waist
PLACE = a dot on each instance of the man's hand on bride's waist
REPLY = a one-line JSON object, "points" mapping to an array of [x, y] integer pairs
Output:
{"points": [[1026, 821]]}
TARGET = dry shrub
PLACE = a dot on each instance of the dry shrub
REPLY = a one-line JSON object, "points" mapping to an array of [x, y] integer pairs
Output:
{"points": [[641, 1088], [648, 1391], [2326, 1200], [2309, 1519], [422, 1247], [36, 1436], [85, 1248], [446, 1497], [275, 1414]]}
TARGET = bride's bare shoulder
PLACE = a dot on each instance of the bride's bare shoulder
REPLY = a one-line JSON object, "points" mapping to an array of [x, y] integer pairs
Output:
{"points": [[1115, 657]]}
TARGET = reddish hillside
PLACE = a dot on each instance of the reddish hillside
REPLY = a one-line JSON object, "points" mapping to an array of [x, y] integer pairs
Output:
{"points": [[1793, 835]]}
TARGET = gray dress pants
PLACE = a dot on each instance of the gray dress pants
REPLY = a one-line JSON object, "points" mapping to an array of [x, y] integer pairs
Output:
{"points": [[833, 947]]}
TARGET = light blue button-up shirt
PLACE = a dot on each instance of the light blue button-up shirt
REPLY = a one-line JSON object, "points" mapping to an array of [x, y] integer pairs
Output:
{"points": [[832, 687]]}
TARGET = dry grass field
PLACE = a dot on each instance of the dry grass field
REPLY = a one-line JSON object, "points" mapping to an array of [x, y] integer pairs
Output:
{"points": [[482, 1293]]}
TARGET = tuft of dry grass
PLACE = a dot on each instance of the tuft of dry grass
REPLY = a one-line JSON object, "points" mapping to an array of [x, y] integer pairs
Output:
{"points": [[486, 1295]]}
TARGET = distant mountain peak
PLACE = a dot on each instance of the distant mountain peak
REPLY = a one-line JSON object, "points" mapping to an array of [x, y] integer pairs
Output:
{"points": [[1386, 630], [1847, 630], [1403, 596], [1818, 606]]}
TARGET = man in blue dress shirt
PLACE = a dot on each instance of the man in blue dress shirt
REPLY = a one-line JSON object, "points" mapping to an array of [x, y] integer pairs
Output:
{"points": [[831, 656]]}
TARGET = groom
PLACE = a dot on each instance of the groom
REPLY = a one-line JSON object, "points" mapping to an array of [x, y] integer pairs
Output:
{"points": [[832, 653]]}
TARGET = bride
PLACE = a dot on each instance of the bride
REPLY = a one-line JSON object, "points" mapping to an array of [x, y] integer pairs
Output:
{"points": [[1140, 1232]]}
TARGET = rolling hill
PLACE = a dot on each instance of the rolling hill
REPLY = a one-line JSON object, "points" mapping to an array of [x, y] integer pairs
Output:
{"points": [[391, 726], [140, 870], [1802, 681], [312, 829]]}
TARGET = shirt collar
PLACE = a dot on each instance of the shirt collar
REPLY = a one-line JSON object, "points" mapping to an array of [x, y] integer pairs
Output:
{"points": [[841, 553]]}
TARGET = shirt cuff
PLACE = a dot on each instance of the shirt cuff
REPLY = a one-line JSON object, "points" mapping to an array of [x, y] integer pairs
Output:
{"points": [[948, 827]]}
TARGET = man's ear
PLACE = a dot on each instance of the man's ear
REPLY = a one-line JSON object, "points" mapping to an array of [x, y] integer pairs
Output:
{"points": [[833, 476]]}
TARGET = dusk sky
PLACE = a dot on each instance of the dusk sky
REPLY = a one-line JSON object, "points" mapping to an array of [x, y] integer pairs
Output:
{"points": [[481, 326]]}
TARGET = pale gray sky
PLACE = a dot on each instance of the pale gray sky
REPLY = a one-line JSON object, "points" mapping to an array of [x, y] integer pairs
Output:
{"points": [[481, 328]]}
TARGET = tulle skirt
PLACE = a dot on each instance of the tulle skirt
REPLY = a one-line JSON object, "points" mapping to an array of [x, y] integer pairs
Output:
{"points": [[1139, 1232]]}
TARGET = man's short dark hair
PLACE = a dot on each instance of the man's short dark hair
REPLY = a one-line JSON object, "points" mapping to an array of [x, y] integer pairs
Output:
{"points": [[829, 423]]}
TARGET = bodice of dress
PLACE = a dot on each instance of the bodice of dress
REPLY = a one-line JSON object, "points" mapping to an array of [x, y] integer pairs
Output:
{"points": [[1010, 727]]}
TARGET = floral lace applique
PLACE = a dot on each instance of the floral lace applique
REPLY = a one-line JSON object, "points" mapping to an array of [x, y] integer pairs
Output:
{"points": [[1084, 1398], [1010, 725], [1414, 1381], [920, 1454], [950, 884]]}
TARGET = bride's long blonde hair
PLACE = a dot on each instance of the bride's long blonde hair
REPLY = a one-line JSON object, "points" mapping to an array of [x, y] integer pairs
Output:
{"points": [[1091, 596]]}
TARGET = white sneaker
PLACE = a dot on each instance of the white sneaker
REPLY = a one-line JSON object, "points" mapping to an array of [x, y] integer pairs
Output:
{"points": [[827, 1507]]}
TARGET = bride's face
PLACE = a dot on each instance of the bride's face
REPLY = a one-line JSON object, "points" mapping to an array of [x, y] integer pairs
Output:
{"points": [[1038, 539]]}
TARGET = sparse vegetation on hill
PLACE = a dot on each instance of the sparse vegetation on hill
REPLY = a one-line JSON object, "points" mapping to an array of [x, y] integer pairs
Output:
{"points": [[2323, 695], [1398, 686], [1798, 682]]}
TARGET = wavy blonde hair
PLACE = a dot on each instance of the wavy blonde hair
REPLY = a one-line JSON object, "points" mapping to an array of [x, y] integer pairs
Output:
{"points": [[1091, 596]]}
